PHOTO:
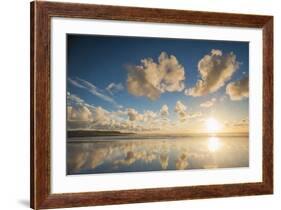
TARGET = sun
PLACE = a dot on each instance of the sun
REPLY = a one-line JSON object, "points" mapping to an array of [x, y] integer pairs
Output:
{"points": [[212, 125]]}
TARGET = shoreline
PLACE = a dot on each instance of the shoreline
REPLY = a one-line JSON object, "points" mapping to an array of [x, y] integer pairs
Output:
{"points": [[93, 134], [131, 138]]}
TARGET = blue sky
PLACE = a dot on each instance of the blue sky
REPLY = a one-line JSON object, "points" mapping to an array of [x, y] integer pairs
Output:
{"points": [[103, 60]]}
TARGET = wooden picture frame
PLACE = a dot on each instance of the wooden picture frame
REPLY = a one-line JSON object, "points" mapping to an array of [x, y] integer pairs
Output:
{"points": [[41, 14]]}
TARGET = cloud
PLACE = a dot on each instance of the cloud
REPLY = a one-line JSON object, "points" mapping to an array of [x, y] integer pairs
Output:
{"points": [[164, 111], [241, 125], [75, 83], [194, 115], [149, 116], [215, 69], [239, 89], [114, 88], [78, 113], [238, 123], [81, 115], [134, 115], [100, 115], [180, 109], [73, 99], [150, 78], [243, 122], [80, 83], [209, 103]]}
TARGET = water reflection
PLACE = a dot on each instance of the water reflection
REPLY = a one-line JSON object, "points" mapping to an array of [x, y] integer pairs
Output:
{"points": [[93, 155], [213, 144]]}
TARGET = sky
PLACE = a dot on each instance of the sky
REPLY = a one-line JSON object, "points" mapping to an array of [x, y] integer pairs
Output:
{"points": [[140, 84]]}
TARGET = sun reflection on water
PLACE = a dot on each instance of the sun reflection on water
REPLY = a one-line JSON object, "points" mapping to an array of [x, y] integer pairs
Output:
{"points": [[214, 144]]}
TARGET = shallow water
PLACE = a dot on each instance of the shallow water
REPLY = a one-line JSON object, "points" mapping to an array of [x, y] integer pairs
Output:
{"points": [[89, 155]]}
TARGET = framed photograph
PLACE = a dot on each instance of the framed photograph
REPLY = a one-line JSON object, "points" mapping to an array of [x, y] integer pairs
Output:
{"points": [[141, 105]]}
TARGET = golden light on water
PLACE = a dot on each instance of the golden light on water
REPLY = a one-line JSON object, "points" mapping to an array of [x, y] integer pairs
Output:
{"points": [[213, 144], [212, 125]]}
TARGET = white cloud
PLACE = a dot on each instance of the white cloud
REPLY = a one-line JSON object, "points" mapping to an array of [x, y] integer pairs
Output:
{"points": [[164, 111], [208, 103], [239, 89], [79, 113], [75, 83], [100, 115], [194, 115], [134, 115], [73, 99], [215, 70], [180, 109], [151, 78], [80, 83], [114, 88], [149, 116]]}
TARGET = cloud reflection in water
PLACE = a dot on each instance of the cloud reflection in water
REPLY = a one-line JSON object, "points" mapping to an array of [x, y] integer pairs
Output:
{"points": [[177, 153]]}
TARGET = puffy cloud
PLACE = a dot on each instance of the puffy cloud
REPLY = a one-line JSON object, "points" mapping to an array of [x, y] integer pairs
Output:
{"points": [[182, 113], [80, 83], [81, 115], [78, 113], [238, 90], [151, 78], [215, 70], [149, 116], [134, 115], [164, 111], [209, 103], [216, 52], [114, 88], [100, 115], [180, 109]]}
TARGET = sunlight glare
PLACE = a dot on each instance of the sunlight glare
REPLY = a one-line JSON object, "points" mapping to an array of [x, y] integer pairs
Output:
{"points": [[212, 125], [213, 144]]}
